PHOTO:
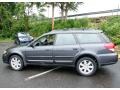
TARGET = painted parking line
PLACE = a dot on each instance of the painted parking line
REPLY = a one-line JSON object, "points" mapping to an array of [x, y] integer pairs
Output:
{"points": [[40, 74]]}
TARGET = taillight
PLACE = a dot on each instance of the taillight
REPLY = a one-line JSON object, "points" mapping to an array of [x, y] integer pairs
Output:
{"points": [[110, 46]]}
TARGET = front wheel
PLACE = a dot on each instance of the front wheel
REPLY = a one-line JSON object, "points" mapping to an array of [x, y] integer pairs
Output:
{"points": [[16, 62], [86, 66]]}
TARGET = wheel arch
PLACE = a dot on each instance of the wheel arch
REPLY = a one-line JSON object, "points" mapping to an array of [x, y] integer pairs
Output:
{"points": [[87, 55], [21, 56]]}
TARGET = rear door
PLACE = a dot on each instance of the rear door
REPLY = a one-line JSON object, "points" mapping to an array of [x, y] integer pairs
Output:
{"points": [[65, 48]]}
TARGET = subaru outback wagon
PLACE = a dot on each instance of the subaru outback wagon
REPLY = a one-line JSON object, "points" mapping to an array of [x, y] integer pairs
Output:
{"points": [[86, 50]]}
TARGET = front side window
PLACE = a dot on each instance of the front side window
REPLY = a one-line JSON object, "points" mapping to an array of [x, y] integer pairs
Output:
{"points": [[89, 38], [45, 40], [65, 39]]}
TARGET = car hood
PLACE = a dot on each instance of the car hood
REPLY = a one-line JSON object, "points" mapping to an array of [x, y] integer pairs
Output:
{"points": [[16, 47]]}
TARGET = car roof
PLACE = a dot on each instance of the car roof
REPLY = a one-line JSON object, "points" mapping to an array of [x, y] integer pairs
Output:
{"points": [[66, 31]]}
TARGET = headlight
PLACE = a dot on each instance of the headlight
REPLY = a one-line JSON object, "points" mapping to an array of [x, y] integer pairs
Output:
{"points": [[21, 39], [31, 37], [5, 52]]}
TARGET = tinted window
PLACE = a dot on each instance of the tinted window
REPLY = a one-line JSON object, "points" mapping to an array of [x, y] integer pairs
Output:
{"points": [[89, 38], [65, 39]]}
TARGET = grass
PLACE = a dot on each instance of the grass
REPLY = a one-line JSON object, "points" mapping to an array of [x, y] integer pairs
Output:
{"points": [[6, 40]]}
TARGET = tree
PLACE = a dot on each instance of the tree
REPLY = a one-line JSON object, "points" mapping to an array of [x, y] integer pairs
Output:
{"points": [[53, 4], [6, 13], [25, 10], [68, 6], [40, 6], [61, 5]]}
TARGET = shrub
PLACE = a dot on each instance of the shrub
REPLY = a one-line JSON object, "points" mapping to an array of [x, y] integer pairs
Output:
{"points": [[112, 28], [38, 28]]}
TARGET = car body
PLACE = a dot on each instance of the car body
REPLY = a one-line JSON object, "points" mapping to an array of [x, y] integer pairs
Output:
{"points": [[23, 38], [76, 48]]}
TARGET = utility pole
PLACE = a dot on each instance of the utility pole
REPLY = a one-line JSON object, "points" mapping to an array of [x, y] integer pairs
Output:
{"points": [[53, 16]]}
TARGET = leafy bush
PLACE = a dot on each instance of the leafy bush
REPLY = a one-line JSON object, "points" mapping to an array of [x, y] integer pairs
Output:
{"points": [[38, 28], [112, 28]]}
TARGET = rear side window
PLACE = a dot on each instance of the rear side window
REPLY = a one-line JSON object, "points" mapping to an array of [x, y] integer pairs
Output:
{"points": [[89, 38], [65, 39], [105, 38]]}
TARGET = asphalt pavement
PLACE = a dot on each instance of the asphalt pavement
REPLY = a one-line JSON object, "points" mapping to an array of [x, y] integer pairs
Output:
{"points": [[56, 77]]}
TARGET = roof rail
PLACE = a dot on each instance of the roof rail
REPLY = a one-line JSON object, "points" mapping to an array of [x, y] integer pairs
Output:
{"points": [[74, 29]]}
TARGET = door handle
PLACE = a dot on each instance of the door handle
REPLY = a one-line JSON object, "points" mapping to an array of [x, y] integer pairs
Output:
{"points": [[47, 49], [75, 49]]}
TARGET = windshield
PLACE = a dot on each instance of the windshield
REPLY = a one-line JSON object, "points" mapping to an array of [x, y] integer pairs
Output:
{"points": [[23, 37]]}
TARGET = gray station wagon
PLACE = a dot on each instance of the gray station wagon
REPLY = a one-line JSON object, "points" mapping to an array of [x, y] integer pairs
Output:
{"points": [[86, 50]]}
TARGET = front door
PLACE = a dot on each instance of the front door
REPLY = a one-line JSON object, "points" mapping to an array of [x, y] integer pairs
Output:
{"points": [[41, 50]]}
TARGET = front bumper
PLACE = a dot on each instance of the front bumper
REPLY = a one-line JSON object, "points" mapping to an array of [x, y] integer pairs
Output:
{"points": [[5, 58], [108, 59]]}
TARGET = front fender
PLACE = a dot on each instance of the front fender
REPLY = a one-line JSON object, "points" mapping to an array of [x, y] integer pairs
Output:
{"points": [[20, 54]]}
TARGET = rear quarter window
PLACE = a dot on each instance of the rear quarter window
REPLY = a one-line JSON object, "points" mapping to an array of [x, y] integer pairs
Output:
{"points": [[107, 40], [89, 38]]}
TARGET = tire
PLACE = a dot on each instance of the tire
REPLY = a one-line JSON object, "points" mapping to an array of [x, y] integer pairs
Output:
{"points": [[86, 66], [16, 62]]}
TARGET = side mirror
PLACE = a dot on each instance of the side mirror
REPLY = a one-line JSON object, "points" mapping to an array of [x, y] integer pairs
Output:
{"points": [[37, 44], [31, 45]]}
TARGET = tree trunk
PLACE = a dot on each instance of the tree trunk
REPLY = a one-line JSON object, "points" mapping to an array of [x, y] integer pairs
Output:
{"points": [[66, 13], [62, 14], [62, 10]]}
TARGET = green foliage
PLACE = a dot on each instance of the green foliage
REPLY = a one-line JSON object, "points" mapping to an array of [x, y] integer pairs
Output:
{"points": [[13, 19], [112, 28], [37, 28], [6, 12], [71, 23]]}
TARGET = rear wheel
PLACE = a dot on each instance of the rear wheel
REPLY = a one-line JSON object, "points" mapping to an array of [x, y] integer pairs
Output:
{"points": [[86, 66], [16, 62]]}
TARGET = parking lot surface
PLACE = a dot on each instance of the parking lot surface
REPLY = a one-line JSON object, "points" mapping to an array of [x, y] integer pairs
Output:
{"points": [[56, 77]]}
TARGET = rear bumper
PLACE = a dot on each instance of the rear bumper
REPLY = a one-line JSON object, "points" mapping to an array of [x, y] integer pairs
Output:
{"points": [[107, 59]]}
